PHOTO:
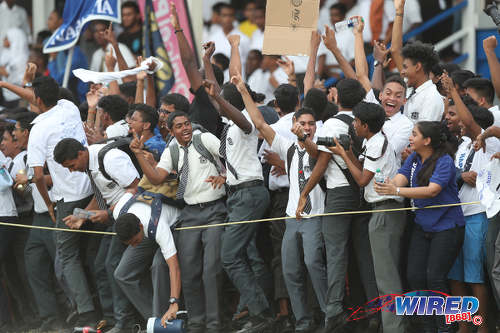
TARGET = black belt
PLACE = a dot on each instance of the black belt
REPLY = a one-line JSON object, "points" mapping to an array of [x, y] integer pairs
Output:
{"points": [[383, 202], [206, 204], [251, 183], [280, 190]]}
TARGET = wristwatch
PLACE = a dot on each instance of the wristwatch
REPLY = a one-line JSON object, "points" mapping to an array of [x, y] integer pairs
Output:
{"points": [[173, 300], [397, 191], [28, 85], [376, 63]]}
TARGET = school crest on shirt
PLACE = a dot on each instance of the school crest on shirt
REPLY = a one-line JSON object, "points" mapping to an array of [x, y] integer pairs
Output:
{"points": [[111, 185], [230, 141], [203, 160], [414, 115]]}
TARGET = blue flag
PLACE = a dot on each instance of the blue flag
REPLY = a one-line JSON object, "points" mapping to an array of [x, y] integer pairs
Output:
{"points": [[153, 46], [76, 15]]}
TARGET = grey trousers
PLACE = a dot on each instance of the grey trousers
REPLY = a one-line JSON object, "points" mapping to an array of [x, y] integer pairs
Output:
{"points": [[68, 247], [303, 239], [337, 230], [385, 230], [245, 204], [199, 253], [492, 249], [493, 255], [149, 293], [39, 255]]}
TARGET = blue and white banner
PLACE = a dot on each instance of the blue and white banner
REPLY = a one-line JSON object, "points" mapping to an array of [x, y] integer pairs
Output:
{"points": [[76, 15]]}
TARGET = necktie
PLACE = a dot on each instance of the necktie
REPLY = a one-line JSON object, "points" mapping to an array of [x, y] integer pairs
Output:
{"points": [[222, 151], [302, 180], [98, 195], [184, 174]]}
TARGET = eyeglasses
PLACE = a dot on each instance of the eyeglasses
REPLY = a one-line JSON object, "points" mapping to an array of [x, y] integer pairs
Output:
{"points": [[164, 111]]}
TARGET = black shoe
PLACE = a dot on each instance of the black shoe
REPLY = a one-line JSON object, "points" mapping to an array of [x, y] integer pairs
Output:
{"points": [[257, 324], [336, 323], [87, 319], [51, 324], [283, 324]]}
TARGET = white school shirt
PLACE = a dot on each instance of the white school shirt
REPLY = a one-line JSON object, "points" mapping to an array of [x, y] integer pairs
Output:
{"points": [[333, 128], [118, 166], [281, 145], [62, 121], [241, 152], [120, 128], [364, 11], [197, 190], [496, 115], [412, 15], [13, 17], [397, 128], [222, 44], [257, 40], [142, 211], [386, 163], [468, 193], [97, 63], [7, 204], [425, 104], [259, 82]]}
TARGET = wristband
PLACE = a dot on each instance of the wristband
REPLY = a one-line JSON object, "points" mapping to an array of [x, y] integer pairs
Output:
{"points": [[400, 14], [178, 30], [173, 300], [397, 191], [28, 85]]}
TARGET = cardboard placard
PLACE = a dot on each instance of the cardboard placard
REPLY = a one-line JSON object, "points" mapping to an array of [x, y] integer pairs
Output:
{"points": [[289, 24]]}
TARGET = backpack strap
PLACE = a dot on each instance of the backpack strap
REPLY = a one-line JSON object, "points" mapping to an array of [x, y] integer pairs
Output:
{"points": [[116, 142], [203, 151], [174, 155], [384, 148], [289, 156]]}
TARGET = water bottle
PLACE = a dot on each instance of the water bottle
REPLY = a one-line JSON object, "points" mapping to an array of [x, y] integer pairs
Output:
{"points": [[379, 176], [5, 179], [346, 24], [82, 213], [21, 187], [174, 326], [85, 330]]}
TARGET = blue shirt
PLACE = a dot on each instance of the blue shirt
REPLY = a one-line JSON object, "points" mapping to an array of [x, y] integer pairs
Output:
{"points": [[436, 219], [155, 145]]}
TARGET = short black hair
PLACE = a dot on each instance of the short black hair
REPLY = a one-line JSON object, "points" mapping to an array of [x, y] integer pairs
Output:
{"points": [[131, 4], [331, 110], [482, 116], [460, 76], [67, 150], [96, 22], [483, 87], [350, 92], [304, 110], [340, 7], [47, 89], [257, 53], [115, 106], [65, 93], [316, 100], [422, 53], [127, 226], [287, 97], [221, 59], [25, 119], [128, 88], [173, 115], [148, 114], [219, 74], [217, 7], [396, 79], [371, 114], [227, 6], [180, 102]]}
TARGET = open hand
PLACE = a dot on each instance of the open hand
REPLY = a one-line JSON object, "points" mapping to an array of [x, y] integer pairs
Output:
{"points": [[239, 83], [329, 38], [286, 65], [174, 18], [217, 181], [212, 88], [73, 222], [29, 74], [137, 143]]}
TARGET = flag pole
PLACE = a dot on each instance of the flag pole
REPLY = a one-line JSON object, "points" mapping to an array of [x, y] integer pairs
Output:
{"points": [[68, 67]]}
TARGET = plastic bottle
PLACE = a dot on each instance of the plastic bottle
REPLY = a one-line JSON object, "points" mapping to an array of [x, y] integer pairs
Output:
{"points": [[21, 187], [379, 176], [345, 25], [85, 330]]}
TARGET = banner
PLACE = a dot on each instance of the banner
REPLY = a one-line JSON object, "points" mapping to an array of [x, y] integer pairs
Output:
{"points": [[76, 15], [181, 83]]}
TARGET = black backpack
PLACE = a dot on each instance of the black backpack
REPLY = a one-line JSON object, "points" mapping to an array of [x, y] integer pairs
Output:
{"points": [[356, 141], [122, 143]]}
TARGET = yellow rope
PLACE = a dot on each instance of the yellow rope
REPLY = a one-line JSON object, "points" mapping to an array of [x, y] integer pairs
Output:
{"points": [[305, 217]]}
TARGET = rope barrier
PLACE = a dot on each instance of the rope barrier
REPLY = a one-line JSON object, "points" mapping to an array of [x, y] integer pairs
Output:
{"points": [[305, 218]]}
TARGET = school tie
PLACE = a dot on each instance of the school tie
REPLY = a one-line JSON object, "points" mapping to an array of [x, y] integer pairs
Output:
{"points": [[222, 151], [184, 174], [302, 180], [101, 203]]}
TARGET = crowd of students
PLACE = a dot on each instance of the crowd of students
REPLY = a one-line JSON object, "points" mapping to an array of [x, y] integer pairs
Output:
{"points": [[156, 175]]}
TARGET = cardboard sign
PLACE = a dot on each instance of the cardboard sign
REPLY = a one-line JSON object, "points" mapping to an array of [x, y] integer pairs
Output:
{"points": [[289, 24]]}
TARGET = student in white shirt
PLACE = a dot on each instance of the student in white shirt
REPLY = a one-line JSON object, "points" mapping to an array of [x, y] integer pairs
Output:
{"points": [[114, 109], [385, 228], [340, 197], [201, 187], [415, 61], [304, 125], [13, 60], [58, 120], [481, 90]]}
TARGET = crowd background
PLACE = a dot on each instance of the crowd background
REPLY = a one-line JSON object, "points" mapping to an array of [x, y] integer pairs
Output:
{"points": [[427, 124]]}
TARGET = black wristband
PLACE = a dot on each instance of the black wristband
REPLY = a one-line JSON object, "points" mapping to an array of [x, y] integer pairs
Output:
{"points": [[178, 30]]}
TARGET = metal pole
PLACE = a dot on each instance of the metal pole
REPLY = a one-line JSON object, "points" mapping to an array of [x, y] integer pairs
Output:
{"points": [[68, 67]]}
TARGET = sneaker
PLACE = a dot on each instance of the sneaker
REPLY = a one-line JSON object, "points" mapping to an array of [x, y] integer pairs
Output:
{"points": [[284, 324], [257, 324]]}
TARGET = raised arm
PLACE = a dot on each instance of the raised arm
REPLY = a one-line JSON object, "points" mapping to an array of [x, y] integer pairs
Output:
{"points": [[258, 120], [226, 108], [331, 44], [360, 56], [109, 35], [397, 34], [288, 67], [311, 64], [380, 55], [209, 48], [24, 93], [110, 62], [187, 55], [155, 175], [235, 60], [489, 45]]}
